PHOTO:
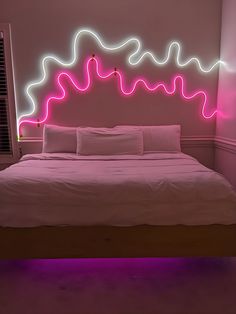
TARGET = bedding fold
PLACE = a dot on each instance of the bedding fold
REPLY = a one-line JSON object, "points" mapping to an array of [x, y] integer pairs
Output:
{"points": [[118, 190]]}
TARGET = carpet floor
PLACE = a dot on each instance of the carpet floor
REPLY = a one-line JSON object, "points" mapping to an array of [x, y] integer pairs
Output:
{"points": [[119, 286]]}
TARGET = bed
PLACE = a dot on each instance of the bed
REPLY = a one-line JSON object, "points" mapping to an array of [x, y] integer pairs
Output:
{"points": [[155, 204]]}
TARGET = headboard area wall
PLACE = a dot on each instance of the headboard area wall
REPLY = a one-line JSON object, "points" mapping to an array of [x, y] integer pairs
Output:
{"points": [[104, 63]]}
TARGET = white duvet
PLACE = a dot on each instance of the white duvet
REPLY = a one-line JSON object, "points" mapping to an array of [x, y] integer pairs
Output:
{"points": [[153, 189]]}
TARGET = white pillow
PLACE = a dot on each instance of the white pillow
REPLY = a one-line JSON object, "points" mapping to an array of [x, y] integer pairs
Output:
{"points": [[161, 138], [101, 141], [59, 139]]}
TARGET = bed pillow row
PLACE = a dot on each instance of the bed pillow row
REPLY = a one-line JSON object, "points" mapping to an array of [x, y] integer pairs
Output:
{"points": [[119, 140], [92, 141]]}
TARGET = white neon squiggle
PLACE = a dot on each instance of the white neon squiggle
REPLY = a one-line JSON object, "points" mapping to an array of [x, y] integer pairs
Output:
{"points": [[181, 64], [134, 59]]}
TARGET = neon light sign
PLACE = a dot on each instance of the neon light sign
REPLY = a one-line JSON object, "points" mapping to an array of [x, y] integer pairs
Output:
{"points": [[123, 89], [134, 59]]}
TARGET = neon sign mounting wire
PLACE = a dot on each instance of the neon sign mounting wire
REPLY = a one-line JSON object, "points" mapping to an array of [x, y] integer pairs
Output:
{"points": [[123, 89]]}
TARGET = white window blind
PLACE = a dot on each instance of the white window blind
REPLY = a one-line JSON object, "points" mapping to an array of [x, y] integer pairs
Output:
{"points": [[9, 151], [5, 138]]}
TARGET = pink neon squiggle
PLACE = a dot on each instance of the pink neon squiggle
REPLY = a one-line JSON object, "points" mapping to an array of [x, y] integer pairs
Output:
{"points": [[125, 91]]}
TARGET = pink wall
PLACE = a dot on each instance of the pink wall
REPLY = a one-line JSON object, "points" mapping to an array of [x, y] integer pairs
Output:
{"points": [[39, 27], [226, 121], [226, 125]]}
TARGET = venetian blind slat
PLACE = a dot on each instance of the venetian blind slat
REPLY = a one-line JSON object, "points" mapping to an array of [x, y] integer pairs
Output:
{"points": [[5, 141]]}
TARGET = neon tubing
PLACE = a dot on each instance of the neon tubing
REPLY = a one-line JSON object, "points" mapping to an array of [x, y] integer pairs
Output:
{"points": [[124, 90], [135, 58]]}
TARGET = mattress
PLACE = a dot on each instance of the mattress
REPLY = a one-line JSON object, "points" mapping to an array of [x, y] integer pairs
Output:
{"points": [[152, 189]]}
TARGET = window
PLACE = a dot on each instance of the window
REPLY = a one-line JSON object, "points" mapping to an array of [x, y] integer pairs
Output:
{"points": [[8, 140]]}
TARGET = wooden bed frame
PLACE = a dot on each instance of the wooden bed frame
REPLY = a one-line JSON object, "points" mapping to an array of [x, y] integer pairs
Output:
{"points": [[107, 241]]}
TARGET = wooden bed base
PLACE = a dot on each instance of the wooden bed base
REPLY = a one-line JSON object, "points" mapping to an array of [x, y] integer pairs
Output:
{"points": [[106, 241]]}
